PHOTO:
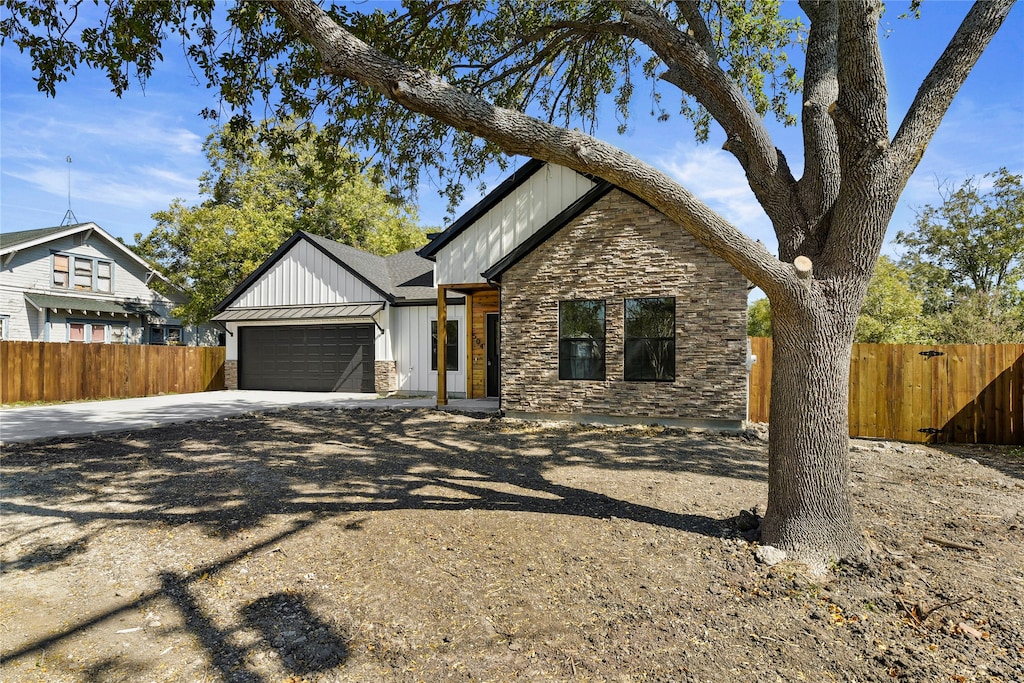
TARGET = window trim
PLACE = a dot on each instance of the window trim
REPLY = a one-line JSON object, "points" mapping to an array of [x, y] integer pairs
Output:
{"points": [[450, 341], [88, 326], [70, 274], [66, 272], [564, 367], [164, 329], [626, 339]]}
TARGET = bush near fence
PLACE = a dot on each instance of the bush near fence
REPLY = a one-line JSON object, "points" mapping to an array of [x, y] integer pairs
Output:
{"points": [[43, 371], [956, 393]]}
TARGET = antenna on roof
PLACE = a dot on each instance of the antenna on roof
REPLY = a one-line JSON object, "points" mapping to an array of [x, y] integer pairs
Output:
{"points": [[69, 217]]}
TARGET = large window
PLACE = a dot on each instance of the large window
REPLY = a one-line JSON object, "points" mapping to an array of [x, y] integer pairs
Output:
{"points": [[650, 340], [581, 340], [451, 345], [82, 273]]}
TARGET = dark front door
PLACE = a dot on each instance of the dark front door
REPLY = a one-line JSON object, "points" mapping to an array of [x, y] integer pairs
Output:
{"points": [[306, 358], [493, 354]]}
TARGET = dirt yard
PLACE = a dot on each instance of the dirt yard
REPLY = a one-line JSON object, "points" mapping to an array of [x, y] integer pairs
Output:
{"points": [[325, 545]]}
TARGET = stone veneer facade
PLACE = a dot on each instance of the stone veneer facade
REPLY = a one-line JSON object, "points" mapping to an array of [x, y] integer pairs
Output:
{"points": [[385, 376], [231, 374], [621, 248]]}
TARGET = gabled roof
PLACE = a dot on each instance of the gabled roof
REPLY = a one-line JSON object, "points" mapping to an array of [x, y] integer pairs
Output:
{"points": [[400, 278], [503, 190], [495, 272], [11, 242]]}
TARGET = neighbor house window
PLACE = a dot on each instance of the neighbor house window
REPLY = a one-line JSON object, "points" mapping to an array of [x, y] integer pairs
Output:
{"points": [[581, 340], [650, 339], [451, 346], [61, 271], [5, 327], [118, 334], [165, 335], [93, 333], [83, 274], [104, 276]]}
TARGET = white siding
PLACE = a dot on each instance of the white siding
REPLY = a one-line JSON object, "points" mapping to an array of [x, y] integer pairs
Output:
{"points": [[508, 224], [410, 333], [305, 276]]}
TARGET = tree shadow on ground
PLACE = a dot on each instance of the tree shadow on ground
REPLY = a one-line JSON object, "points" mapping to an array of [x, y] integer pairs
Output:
{"points": [[1006, 459], [231, 475]]}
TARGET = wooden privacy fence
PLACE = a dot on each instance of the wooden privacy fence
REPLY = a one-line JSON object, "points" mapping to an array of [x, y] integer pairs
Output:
{"points": [[44, 371], [955, 393]]}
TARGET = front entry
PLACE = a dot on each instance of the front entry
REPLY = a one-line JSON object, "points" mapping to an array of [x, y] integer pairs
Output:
{"points": [[493, 355]]}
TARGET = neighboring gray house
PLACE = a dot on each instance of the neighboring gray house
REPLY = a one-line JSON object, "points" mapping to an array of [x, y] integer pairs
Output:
{"points": [[564, 296], [318, 315], [77, 283]]}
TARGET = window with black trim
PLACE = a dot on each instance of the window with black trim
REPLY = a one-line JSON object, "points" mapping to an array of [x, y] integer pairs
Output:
{"points": [[650, 340], [451, 345], [581, 334]]}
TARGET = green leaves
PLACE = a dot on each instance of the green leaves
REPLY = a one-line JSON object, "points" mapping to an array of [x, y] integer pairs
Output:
{"points": [[564, 62], [966, 256], [256, 197]]}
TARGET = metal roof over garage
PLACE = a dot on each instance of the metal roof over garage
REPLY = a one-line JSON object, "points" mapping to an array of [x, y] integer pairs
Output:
{"points": [[349, 312]]}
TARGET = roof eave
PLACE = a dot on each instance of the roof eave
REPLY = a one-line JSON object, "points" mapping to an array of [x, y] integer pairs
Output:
{"points": [[494, 273], [492, 198]]}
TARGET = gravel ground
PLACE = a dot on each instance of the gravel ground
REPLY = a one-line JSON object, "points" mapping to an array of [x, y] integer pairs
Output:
{"points": [[351, 545]]}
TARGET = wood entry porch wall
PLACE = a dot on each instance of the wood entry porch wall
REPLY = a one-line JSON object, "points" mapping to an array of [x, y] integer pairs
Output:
{"points": [[481, 299]]}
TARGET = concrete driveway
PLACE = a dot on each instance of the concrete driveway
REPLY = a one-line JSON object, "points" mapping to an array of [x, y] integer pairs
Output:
{"points": [[19, 425]]}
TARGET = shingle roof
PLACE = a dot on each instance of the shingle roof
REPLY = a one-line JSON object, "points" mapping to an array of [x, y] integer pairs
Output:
{"points": [[400, 278], [13, 239], [412, 276], [370, 267]]}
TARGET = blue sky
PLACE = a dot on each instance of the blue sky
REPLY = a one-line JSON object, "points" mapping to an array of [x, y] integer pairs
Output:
{"points": [[131, 157]]}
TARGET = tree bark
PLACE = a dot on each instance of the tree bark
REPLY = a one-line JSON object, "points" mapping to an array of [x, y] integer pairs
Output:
{"points": [[810, 512], [834, 219]]}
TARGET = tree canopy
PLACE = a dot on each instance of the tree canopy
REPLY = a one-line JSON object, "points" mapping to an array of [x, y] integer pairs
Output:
{"points": [[966, 258], [453, 85], [254, 200]]}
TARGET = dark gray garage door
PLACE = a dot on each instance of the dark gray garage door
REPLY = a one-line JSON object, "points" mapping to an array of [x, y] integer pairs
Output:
{"points": [[306, 358]]}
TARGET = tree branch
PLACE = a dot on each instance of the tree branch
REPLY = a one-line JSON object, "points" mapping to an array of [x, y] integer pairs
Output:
{"points": [[819, 186], [418, 90], [944, 81], [695, 71]]}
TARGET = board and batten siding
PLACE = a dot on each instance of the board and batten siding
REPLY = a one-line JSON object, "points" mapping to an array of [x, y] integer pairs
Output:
{"points": [[306, 276], [508, 224], [410, 334]]}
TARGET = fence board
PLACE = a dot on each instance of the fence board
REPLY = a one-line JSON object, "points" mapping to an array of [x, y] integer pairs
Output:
{"points": [[967, 394], [34, 371]]}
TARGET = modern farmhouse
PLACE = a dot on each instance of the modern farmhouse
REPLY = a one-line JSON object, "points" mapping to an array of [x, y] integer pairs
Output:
{"points": [[561, 294]]}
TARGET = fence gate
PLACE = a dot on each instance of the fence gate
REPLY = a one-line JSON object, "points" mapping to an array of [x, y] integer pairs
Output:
{"points": [[960, 393]]}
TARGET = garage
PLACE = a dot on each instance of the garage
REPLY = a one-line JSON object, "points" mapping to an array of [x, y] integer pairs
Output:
{"points": [[307, 358]]}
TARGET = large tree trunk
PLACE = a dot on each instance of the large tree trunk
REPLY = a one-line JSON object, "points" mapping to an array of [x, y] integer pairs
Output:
{"points": [[810, 513]]}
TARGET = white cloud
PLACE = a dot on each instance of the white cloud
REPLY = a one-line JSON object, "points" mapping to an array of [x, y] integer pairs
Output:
{"points": [[717, 179]]}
